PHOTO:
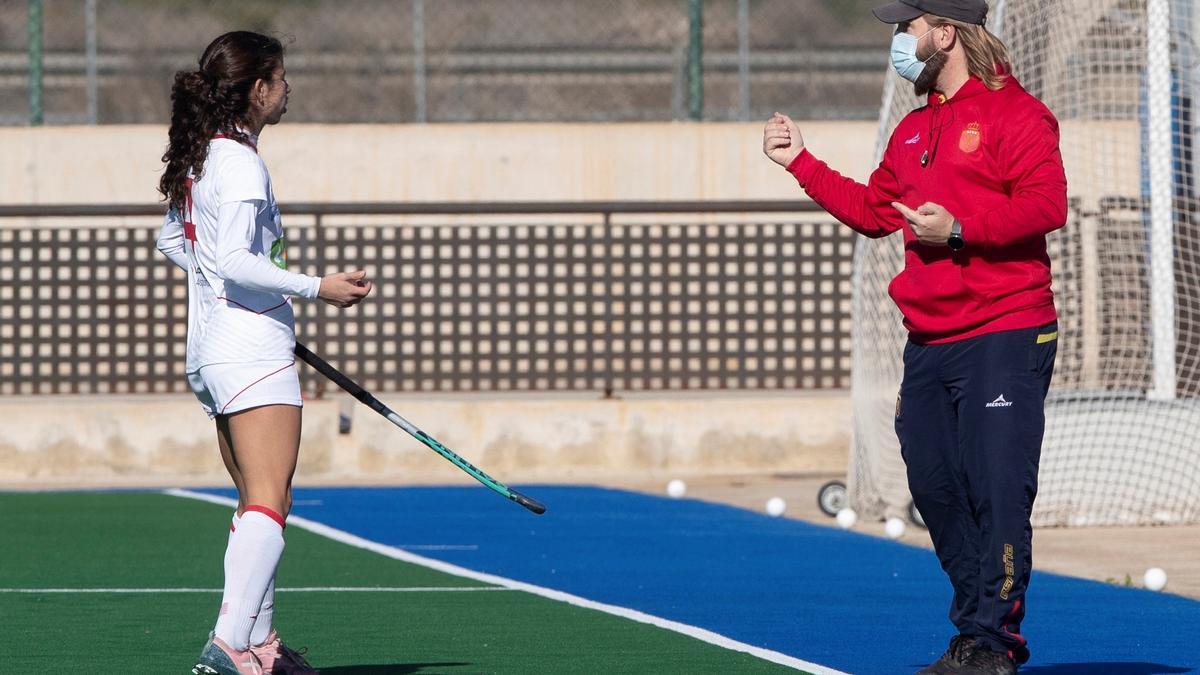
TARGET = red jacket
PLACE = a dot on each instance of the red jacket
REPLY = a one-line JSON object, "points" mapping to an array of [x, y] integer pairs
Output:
{"points": [[995, 164]]}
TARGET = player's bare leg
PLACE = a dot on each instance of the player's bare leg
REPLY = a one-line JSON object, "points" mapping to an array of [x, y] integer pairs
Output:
{"points": [[225, 442], [265, 443], [262, 445]]}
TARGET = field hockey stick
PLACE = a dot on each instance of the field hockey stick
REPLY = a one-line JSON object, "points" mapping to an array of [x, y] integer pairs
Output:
{"points": [[375, 404]]}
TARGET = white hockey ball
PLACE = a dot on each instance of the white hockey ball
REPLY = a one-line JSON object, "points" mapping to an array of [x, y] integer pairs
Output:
{"points": [[1155, 579], [846, 518], [676, 488]]}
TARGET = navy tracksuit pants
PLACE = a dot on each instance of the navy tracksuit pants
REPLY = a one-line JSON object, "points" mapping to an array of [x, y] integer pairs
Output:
{"points": [[970, 420]]}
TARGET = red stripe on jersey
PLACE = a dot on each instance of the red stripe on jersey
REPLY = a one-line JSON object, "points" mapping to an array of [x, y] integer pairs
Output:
{"points": [[189, 228]]}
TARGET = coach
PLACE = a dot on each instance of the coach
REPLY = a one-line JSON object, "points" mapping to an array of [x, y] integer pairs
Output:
{"points": [[975, 180]]}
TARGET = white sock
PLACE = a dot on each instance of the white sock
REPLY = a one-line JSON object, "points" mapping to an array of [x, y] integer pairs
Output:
{"points": [[250, 562], [262, 624], [266, 611]]}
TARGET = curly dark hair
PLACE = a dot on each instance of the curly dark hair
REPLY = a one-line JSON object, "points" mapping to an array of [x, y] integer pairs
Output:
{"points": [[212, 100]]}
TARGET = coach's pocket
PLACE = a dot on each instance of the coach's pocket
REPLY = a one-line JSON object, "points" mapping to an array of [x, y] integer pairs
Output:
{"points": [[995, 281], [928, 295], [1044, 349]]}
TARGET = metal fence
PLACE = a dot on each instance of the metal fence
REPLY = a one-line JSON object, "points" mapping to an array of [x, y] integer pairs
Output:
{"points": [[112, 61], [754, 303]]}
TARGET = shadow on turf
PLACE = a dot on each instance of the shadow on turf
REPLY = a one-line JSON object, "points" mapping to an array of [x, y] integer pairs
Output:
{"points": [[1109, 667], [394, 669]]}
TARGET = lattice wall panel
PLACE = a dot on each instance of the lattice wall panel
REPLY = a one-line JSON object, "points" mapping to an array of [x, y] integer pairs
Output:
{"points": [[460, 308]]}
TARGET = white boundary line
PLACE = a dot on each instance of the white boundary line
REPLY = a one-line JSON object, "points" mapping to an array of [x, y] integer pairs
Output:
{"points": [[623, 612], [310, 589]]}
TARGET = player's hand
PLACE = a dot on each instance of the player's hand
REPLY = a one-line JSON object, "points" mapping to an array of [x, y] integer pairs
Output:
{"points": [[782, 141], [931, 222], [344, 289]]}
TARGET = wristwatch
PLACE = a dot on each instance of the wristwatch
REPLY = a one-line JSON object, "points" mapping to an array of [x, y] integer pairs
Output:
{"points": [[956, 241]]}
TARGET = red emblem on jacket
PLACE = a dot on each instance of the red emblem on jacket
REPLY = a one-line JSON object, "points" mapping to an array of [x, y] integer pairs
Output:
{"points": [[969, 141]]}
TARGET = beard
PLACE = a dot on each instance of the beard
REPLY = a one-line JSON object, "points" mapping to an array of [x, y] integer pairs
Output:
{"points": [[928, 77]]}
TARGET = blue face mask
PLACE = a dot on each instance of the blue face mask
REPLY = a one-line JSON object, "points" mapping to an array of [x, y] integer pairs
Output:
{"points": [[904, 55]]}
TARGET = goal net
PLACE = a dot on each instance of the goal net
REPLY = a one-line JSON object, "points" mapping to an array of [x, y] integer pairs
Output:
{"points": [[1122, 443]]}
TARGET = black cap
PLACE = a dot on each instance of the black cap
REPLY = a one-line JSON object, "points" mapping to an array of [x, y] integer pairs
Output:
{"points": [[967, 11]]}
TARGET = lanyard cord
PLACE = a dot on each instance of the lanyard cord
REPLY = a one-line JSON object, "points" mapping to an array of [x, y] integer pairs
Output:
{"points": [[935, 134]]}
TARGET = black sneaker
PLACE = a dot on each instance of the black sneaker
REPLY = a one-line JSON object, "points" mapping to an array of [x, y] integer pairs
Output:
{"points": [[960, 648], [984, 661]]}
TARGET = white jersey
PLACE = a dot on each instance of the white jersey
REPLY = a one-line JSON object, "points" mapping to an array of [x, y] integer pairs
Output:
{"points": [[230, 240]]}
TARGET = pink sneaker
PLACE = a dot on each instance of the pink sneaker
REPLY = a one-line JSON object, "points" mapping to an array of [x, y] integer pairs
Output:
{"points": [[280, 659], [218, 658]]}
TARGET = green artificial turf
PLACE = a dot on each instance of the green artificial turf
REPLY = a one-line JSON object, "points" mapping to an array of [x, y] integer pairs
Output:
{"points": [[150, 540]]}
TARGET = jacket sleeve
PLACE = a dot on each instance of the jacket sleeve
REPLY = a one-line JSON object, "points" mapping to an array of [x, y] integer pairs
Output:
{"points": [[236, 263], [866, 209], [1032, 171], [170, 239]]}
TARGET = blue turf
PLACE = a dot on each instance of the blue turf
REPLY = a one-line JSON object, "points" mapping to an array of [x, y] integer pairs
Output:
{"points": [[853, 602]]}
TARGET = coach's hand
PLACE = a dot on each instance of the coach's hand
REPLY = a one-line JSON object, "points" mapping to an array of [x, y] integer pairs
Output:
{"points": [[931, 222], [782, 141], [344, 289]]}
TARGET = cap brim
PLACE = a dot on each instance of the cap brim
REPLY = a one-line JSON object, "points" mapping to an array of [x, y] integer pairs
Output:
{"points": [[896, 12]]}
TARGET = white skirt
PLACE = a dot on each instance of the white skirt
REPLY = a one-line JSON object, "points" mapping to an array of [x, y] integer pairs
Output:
{"points": [[226, 388]]}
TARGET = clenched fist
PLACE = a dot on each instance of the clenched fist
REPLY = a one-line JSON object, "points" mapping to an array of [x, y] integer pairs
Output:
{"points": [[344, 289], [782, 141]]}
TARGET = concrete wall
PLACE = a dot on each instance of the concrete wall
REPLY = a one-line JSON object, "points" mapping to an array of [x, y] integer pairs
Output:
{"points": [[494, 162], [167, 440], [445, 162]]}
